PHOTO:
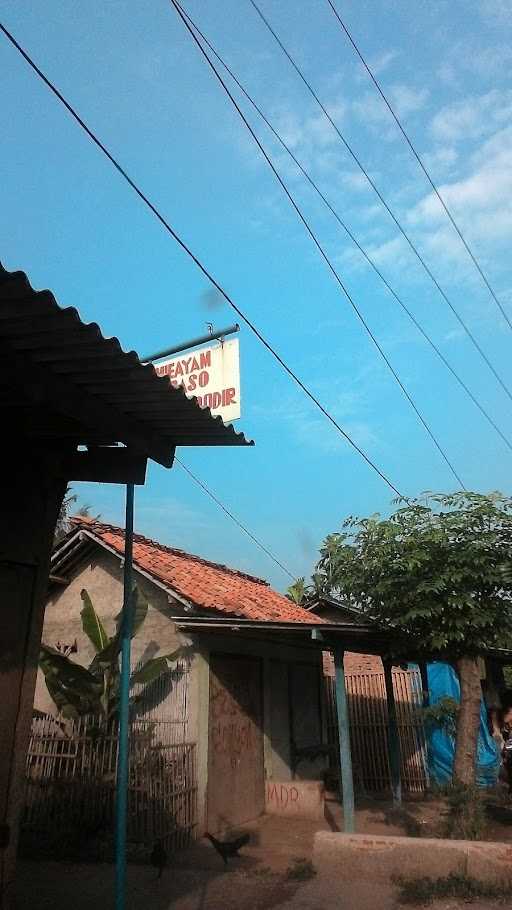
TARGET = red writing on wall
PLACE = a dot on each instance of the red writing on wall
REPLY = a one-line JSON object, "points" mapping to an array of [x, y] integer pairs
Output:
{"points": [[282, 795]]}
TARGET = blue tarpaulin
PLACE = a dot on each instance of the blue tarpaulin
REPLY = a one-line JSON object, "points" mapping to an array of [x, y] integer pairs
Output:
{"points": [[443, 683]]}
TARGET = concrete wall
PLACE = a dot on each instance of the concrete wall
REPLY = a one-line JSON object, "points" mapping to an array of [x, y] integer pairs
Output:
{"points": [[349, 857], [101, 576]]}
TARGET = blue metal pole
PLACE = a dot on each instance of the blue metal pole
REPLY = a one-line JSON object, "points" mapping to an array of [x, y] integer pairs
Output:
{"points": [[124, 706], [347, 780]]}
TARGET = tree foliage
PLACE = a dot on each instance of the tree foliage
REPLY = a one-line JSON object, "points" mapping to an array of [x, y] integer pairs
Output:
{"points": [[63, 525], [77, 690], [437, 573]]}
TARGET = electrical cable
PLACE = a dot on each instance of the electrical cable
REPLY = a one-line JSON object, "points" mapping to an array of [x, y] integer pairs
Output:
{"points": [[374, 186], [202, 268], [318, 245], [233, 518], [348, 231], [421, 164]]}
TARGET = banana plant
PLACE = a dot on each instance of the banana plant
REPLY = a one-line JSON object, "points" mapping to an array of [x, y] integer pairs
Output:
{"points": [[77, 690]]}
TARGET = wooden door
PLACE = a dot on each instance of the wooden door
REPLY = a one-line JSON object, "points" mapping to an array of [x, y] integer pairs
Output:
{"points": [[235, 742]]}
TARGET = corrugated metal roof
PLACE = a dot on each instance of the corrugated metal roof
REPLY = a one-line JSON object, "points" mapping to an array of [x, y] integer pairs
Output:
{"points": [[62, 381]]}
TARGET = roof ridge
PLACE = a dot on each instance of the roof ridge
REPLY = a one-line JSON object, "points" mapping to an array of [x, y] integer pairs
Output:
{"points": [[91, 523]]}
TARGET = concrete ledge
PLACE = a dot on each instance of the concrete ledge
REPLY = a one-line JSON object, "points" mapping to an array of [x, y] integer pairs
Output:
{"points": [[295, 798], [357, 856]]}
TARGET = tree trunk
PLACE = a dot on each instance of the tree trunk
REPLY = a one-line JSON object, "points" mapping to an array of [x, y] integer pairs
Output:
{"points": [[468, 722]]}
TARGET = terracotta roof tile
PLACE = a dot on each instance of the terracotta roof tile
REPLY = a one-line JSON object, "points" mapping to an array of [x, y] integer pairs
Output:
{"points": [[207, 585]]}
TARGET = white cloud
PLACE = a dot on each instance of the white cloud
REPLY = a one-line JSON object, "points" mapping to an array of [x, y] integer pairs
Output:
{"points": [[441, 159], [381, 63], [473, 117], [370, 108], [314, 129], [355, 180], [394, 251], [482, 200], [500, 10], [407, 100], [311, 137]]}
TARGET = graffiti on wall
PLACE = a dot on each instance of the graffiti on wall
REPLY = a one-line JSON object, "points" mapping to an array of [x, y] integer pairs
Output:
{"points": [[282, 796], [231, 730], [302, 799]]}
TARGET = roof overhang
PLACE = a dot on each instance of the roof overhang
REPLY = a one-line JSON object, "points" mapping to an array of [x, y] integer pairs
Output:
{"points": [[326, 637], [64, 386]]}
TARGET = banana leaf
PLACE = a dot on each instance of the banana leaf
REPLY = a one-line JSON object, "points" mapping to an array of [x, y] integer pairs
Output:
{"points": [[154, 668], [73, 688], [92, 624]]}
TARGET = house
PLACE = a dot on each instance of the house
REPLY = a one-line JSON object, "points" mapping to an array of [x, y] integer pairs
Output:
{"points": [[251, 701]]}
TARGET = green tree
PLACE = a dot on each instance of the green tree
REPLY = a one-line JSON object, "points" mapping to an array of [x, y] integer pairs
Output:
{"points": [[63, 525], [437, 575], [297, 592], [77, 690], [300, 593]]}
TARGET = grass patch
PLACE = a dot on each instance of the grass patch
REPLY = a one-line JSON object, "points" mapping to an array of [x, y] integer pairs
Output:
{"points": [[300, 870], [421, 891]]}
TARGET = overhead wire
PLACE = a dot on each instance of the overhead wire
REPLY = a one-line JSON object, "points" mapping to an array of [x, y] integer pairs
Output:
{"points": [[202, 268], [418, 158], [200, 483], [348, 231], [386, 205], [319, 246]]}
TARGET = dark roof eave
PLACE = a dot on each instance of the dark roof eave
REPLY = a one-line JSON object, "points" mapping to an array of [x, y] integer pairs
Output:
{"points": [[76, 387]]}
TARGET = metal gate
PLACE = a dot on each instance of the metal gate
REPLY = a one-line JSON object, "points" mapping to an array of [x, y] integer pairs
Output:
{"points": [[235, 742], [368, 716]]}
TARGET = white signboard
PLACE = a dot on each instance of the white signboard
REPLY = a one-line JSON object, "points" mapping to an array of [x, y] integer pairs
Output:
{"points": [[211, 374]]}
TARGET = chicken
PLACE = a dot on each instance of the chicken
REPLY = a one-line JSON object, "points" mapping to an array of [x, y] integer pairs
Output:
{"points": [[228, 848], [159, 857]]}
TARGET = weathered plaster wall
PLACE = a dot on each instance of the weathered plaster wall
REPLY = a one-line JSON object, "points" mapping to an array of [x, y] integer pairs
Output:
{"points": [[102, 577]]}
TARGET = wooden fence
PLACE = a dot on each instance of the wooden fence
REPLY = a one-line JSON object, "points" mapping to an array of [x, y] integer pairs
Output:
{"points": [[71, 775], [368, 717]]}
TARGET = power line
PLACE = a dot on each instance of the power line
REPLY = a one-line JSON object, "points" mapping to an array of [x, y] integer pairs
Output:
{"points": [[230, 515], [345, 227], [421, 164], [319, 246], [375, 188], [202, 268]]}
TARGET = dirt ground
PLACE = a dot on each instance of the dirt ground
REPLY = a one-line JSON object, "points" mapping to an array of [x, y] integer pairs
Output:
{"points": [[197, 880]]}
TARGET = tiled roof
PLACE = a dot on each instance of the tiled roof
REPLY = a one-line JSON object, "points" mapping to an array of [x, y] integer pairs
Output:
{"points": [[206, 585]]}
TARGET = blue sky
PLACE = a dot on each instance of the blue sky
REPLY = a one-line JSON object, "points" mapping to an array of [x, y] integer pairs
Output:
{"points": [[74, 226]]}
